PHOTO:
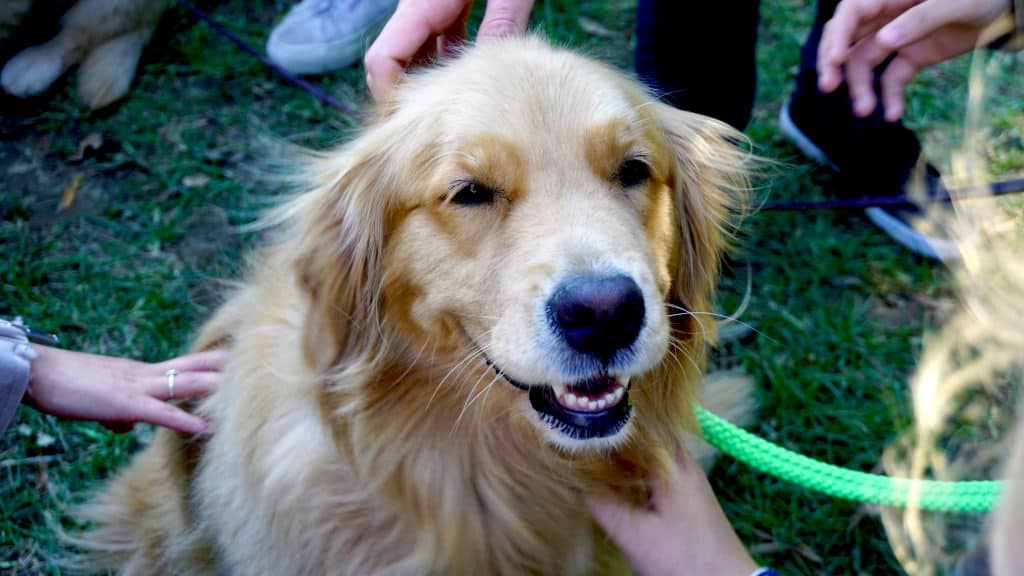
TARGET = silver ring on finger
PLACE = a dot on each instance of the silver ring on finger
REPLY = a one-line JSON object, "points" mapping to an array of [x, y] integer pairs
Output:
{"points": [[170, 383]]}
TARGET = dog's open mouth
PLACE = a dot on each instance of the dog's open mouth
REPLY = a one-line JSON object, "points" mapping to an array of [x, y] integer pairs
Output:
{"points": [[594, 408]]}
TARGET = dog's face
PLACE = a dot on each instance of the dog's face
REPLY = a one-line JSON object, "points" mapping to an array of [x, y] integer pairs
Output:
{"points": [[537, 212]]}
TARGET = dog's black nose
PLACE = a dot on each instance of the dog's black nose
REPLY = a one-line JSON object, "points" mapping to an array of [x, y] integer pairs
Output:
{"points": [[599, 315]]}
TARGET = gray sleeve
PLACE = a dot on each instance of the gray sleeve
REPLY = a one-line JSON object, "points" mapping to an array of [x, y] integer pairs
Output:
{"points": [[15, 357]]}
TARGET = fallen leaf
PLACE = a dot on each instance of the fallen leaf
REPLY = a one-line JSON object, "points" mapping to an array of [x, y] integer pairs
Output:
{"points": [[195, 180], [44, 440], [70, 192], [768, 545], [595, 28], [806, 551], [44, 476], [92, 142]]}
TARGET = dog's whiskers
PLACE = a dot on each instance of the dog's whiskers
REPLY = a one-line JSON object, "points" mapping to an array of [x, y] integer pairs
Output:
{"points": [[409, 368], [477, 352], [471, 398], [678, 347], [727, 319], [487, 392], [458, 367], [730, 319], [698, 316]]}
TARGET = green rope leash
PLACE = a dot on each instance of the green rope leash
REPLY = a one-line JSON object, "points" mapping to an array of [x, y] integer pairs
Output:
{"points": [[934, 495]]}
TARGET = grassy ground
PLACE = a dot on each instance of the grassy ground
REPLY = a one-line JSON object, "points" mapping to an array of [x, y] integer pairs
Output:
{"points": [[163, 180]]}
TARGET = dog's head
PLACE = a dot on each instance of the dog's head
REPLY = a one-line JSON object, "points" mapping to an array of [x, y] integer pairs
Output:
{"points": [[532, 211]]}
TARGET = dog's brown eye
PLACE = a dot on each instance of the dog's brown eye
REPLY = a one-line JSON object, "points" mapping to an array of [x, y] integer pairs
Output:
{"points": [[473, 194], [632, 172]]}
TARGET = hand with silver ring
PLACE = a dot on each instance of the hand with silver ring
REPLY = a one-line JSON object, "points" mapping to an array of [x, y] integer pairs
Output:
{"points": [[170, 382], [118, 392]]}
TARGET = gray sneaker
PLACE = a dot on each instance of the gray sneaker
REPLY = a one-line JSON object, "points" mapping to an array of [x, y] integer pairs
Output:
{"points": [[318, 36]]}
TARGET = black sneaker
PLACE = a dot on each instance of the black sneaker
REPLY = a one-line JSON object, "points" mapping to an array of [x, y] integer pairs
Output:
{"points": [[833, 137]]}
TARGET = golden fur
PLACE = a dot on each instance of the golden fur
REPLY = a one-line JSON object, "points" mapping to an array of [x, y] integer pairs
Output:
{"points": [[359, 429], [104, 37]]}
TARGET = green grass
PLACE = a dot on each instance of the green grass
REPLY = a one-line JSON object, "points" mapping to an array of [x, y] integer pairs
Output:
{"points": [[132, 267]]}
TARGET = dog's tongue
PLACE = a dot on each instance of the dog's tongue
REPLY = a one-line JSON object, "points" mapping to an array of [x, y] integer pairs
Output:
{"points": [[593, 395]]}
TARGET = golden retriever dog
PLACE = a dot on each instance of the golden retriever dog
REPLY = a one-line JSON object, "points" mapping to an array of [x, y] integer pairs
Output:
{"points": [[489, 303], [105, 37]]}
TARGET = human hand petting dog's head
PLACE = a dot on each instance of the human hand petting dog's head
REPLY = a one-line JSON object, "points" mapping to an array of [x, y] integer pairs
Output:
{"points": [[423, 29]]}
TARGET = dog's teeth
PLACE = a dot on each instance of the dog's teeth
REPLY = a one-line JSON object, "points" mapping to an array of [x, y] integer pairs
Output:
{"points": [[571, 400], [591, 405], [609, 398], [602, 404], [559, 389], [622, 381]]}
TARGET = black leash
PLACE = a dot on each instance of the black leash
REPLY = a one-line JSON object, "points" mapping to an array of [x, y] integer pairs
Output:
{"points": [[1000, 188]]}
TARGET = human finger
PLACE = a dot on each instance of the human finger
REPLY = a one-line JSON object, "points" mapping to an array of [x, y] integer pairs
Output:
{"points": [[121, 412], [852, 22], [410, 28], [860, 75], [504, 18], [145, 409], [919, 21], [836, 39], [894, 81], [839, 35], [207, 361], [181, 385]]}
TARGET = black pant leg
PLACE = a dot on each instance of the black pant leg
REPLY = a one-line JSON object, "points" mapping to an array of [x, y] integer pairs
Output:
{"points": [[700, 55]]}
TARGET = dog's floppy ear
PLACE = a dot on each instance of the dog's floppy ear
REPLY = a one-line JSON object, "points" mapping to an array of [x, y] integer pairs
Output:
{"points": [[341, 228], [710, 181]]}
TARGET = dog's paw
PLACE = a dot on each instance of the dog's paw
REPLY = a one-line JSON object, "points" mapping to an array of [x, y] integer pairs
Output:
{"points": [[106, 72], [32, 71]]}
